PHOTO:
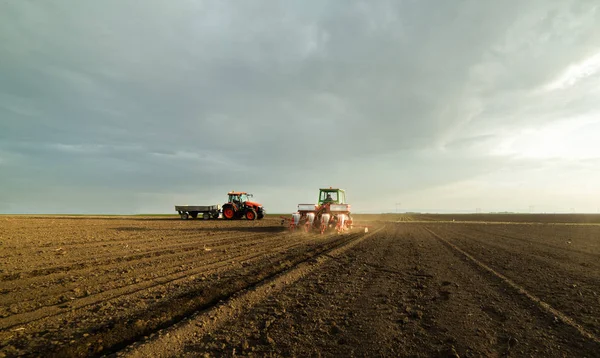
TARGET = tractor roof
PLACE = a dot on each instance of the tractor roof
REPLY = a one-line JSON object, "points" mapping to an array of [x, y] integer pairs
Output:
{"points": [[331, 189], [237, 193]]}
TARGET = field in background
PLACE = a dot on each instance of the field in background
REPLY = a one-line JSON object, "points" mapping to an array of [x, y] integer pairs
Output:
{"points": [[533, 218], [465, 284]]}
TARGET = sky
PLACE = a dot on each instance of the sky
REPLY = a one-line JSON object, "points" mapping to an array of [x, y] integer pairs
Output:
{"points": [[130, 106]]}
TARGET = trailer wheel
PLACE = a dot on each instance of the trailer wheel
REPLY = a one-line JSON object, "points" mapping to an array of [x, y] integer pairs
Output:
{"points": [[184, 216], [215, 214], [205, 216]]}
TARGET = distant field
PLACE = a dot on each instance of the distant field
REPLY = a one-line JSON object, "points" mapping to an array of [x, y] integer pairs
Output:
{"points": [[517, 218], [541, 218]]}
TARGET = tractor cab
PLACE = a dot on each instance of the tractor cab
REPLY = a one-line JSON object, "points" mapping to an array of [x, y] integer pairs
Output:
{"points": [[239, 197], [332, 196]]}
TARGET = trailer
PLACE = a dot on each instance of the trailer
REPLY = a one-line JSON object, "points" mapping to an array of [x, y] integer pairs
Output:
{"points": [[193, 211]]}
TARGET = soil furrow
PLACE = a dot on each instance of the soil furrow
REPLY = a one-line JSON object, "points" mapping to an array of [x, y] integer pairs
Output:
{"points": [[116, 291]]}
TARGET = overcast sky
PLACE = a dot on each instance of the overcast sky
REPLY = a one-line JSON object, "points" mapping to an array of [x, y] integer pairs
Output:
{"points": [[135, 106]]}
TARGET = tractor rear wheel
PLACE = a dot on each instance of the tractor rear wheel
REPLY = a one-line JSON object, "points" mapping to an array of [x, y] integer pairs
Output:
{"points": [[228, 213], [251, 214]]}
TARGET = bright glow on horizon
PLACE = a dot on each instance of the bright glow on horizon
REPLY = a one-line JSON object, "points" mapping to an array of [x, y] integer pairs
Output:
{"points": [[572, 139]]}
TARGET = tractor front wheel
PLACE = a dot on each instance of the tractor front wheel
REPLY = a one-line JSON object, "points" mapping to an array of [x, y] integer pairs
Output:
{"points": [[251, 214], [228, 213]]}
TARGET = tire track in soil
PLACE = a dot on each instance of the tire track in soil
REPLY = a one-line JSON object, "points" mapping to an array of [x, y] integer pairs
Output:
{"points": [[189, 301], [114, 268], [104, 295], [543, 306], [16, 244], [357, 304], [170, 342], [113, 261], [122, 243], [401, 293], [109, 257], [528, 241], [61, 277], [227, 288], [216, 261], [553, 277]]}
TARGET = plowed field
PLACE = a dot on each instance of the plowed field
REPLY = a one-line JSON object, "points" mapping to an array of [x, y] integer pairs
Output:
{"points": [[143, 286]]}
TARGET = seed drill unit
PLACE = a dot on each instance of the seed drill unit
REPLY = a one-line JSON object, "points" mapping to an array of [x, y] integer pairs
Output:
{"points": [[331, 211]]}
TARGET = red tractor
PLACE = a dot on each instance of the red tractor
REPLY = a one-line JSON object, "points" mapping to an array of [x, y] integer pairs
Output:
{"points": [[239, 206]]}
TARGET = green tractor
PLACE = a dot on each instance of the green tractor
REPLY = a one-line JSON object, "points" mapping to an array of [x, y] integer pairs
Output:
{"points": [[331, 211]]}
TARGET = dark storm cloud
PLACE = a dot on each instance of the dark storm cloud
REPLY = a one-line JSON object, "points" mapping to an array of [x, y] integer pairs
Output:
{"points": [[158, 97]]}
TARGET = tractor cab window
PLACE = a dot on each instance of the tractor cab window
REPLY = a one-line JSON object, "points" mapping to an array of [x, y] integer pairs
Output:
{"points": [[329, 197], [238, 198]]}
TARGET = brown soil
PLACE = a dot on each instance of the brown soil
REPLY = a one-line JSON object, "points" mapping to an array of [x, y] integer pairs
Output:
{"points": [[84, 286], [509, 217]]}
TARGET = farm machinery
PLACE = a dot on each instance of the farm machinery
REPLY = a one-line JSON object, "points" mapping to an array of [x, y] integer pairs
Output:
{"points": [[331, 211], [238, 206]]}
